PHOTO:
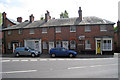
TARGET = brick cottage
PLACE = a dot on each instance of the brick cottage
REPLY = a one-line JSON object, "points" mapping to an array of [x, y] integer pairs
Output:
{"points": [[91, 35]]}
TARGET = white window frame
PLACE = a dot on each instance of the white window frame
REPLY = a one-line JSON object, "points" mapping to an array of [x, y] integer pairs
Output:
{"points": [[87, 28], [71, 29], [9, 32], [107, 45], [58, 29], [44, 30], [32, 31], [72, 46], [87, 46], [19, 31], [103, 28]]}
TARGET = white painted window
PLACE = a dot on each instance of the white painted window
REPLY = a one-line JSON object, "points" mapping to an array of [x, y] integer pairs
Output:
{"points": [[58, 29], [58, 43], [44, 45], [19, 31], [9, 32], [72, 28], [72, 44], [9, 45], [31, 31], [87, 28], [103, 28], [107, 44], [87, 44], [44, 30]]}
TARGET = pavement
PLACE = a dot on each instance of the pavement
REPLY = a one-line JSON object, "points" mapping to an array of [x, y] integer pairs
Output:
{"points": [[46, 55]]}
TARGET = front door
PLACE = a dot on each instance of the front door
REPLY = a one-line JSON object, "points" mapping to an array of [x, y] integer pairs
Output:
{"points": [[65, 44], [37, 45], [98, 46], [15, 45]]}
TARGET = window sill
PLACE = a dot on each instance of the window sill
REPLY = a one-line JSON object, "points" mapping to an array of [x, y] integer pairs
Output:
{"points": [[87, 31], [72, 31], [31, 33], [44, 32], [58, 32], [87, 48], [103, 30]]}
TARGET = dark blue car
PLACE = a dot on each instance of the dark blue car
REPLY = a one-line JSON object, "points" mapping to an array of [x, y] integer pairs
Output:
{"points": [[60, 51]]}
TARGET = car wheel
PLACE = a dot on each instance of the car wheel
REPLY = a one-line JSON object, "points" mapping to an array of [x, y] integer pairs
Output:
{"points": [[17, 55], [53, 55], [33, 55], [70, 55]]}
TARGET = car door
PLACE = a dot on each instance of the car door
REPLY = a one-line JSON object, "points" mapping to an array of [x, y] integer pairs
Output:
{"points": [[26, 52], [62, 52]]}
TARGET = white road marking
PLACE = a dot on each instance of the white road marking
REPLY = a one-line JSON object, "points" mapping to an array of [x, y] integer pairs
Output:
{"points": [[33, 60], [52, 59], [60, 59], [19, 71], [43, 59], [90, 66], [5, 60], [15, 60], [24, 60]]}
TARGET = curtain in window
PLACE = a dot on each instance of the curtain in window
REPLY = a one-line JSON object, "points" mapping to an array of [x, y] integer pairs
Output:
{"points": [[72, 44]]}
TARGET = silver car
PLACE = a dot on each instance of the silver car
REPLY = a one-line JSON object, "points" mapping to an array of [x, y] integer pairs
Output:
{"points": [[26, 52]]}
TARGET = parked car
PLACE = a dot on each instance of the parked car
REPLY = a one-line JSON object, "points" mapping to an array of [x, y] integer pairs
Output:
{"points": [[60, 51], [26, 52]]}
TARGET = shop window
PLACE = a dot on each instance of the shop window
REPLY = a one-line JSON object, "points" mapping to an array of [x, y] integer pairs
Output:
{"points": [[44, 30], [58, 43], [87, 28], [107, 44], [87, 44], [72, 44], [44, 45], [58, 29], [72, 28]]}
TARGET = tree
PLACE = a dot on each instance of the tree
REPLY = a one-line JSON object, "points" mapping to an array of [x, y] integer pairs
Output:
{"points": [[115, 28], [64, 15]]}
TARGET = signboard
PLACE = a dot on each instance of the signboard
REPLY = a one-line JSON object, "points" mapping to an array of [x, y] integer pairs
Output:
{"points": [[81, 37]]}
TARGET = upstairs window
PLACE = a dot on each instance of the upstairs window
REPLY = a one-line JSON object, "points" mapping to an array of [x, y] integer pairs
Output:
{"points": [[31, 31], [103, 28], [19, 31], [58, 29], [72, 28], [44, 30], [9, 32], [87, 28]]}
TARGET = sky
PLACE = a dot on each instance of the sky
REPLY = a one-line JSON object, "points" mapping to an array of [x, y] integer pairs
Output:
{"points": [[105, 9]]}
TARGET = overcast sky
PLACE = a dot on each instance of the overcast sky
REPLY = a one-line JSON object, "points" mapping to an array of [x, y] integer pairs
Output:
{"points": [[105, 9]]}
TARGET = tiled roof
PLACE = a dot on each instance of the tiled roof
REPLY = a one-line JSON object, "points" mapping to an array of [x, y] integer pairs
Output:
{"points": [[61, 22]]}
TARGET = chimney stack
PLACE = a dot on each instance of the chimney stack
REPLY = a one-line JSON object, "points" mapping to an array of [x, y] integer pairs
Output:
{"points": [[31, 18], [47, 16], [19, 19], [4, 19], [80, 13]]}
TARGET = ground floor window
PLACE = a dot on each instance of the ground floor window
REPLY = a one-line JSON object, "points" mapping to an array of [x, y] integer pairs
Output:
{"points": [[72, 44], [58, 43], [44, 44], [107, 44], [87, 44], [9, 45]]}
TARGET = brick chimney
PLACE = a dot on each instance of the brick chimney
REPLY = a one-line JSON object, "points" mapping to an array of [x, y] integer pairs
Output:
{"points": [[47, 16], [4, 19], [31, 18], [80, 13], [19, 19]]}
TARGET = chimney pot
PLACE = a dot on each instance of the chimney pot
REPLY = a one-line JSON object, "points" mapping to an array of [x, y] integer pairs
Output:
{"points": [[47, 16], [31, 18], [19, 19], [80, 13]]}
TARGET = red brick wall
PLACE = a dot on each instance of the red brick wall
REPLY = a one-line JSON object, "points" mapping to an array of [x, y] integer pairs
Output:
{"points": [[64, 35]]}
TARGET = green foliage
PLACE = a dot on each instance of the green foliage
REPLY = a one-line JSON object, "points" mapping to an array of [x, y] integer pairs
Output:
{"points": [[64, 15], [115, 28], [0, 19], [42, 18]]}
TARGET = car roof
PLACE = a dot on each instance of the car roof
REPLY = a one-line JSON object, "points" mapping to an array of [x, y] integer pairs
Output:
{"points": [[58, 48]]}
